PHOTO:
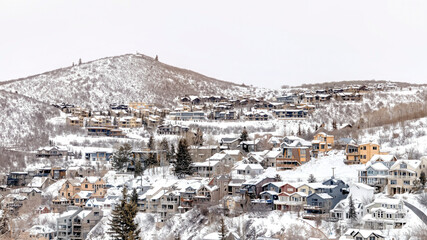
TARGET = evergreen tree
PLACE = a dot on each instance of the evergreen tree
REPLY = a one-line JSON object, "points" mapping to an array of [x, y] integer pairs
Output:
{"points": [[222, 229], [164, 146], [80, 61], [122, 157], [244, 135], [183, 163], [423, 178], [139, 170], [122, 222], [157, 58], [311, 178], [134, 197], [352, 210], [198, 138], [334, 124], [172, 152], [299, 130], [151, 161], [316, 128]]}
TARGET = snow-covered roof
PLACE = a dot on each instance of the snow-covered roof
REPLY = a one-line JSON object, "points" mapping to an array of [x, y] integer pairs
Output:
{"points": [[324, 195], [249, 166], [383, 158], [379, 167], [365, 233], [206, 164], [83, 194]]}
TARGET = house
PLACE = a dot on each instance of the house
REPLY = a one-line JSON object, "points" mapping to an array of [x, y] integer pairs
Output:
{"points": [[105, 131], [207, 168], [75, 121], [80, 199], [341, 210], [187, 116], [40, 182], [361, 153], [68, 190], [129, 122], [290, 114], [250, 170], [169, 203], [257, 116], [362, 234], [251, 145], [229, 143], [385, 213], [39, 232], [172, 129], [343, 142], [291, 201], [347, 96], [403, 173], [376, 172], [47, 152], [236, 154], [293, 154], [253, 187], [99, 154], [201, 153], [76, 223], [322, 143], [16, 179], [318, 203], [100, 121]]}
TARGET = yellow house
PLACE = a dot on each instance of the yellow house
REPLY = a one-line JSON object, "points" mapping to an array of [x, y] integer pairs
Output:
{"points": [[306, 188], [75, 121], [69, 189], [129, 122], [92, 184], [322, 142], [362, 153]]}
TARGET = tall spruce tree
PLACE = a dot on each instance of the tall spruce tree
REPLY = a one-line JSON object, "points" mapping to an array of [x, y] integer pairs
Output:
{"points": [[198, 138], [423, 179], [138, 170], [151, 161], [164, 146], [183, 163], [122, 157], [351, 210], [134, 197], [244, 135], [311, 179], [122, 222]]}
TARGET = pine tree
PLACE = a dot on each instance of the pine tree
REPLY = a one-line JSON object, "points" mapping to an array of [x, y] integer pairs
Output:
{"points": [[151, 161], [316, 128], [222, 229], [244, 135], [198, 138], [122, 221], [334, 124], [134, 197], [164, 146], [139, 170], [351, 210], [157, 58], [80, 61], [122, 157], [172, 152], [183, 163], [311, 179], [299, 130], [423, 179]]}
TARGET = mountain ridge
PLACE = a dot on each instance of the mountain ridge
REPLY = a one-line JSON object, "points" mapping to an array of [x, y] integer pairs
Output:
{"points": [[124, 78]]}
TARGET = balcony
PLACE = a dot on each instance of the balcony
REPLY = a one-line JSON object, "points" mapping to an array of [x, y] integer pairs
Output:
{"points": [[351, 162]]}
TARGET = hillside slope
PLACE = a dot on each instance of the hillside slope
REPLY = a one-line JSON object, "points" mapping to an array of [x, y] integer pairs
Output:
{"points": [[120, 79]]}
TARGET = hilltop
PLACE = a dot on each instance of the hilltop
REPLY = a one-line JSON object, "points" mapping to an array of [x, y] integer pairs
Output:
{"points": [[119, 79]]}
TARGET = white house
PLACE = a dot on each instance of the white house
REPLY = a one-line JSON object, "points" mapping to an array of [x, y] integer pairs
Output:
{"points": [[385, 213], [249, 169]]}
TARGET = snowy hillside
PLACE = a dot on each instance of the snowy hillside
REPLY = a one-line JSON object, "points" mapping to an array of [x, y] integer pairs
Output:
{"points": [[23, 120], [119, 79]]}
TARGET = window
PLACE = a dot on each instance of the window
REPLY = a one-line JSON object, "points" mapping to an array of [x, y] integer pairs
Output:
{"points": [[322, 146], [374, 148], [393, 182], [407, 182], [371, 238], [86, 186]]}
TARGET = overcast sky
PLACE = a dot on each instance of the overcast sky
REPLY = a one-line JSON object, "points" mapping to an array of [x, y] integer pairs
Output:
{"points": [[263, 43]]}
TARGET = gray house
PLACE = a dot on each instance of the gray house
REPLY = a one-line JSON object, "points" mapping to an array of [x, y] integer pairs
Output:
{"points": [[77, 222]]}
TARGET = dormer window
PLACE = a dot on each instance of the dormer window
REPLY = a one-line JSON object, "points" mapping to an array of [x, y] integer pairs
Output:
{"points": [[403, 165]]}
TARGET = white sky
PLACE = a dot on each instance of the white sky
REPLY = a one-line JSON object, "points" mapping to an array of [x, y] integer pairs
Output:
{"points": [[264, 43]]}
